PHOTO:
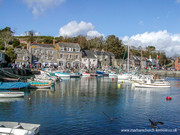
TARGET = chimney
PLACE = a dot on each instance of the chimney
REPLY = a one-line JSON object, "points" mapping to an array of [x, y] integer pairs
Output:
{"points": [[54, 41], [28, 44]]}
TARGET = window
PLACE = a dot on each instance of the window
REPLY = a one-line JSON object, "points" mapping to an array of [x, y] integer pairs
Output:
{"points": [[77, 50], [94, 60], [47, 51], [61, 55], [69, 56], [62, 49], [77, 56]]}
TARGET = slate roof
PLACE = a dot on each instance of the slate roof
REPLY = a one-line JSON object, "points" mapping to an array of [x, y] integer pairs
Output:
{"points": [[104, 53], [71, 45], [43, 45], [88, 54]]}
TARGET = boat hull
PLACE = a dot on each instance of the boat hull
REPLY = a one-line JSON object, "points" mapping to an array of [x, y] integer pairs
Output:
{"points": [[11, 94]]}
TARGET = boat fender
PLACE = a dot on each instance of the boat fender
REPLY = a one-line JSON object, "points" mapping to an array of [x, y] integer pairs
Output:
{"points": [[112, 79], [168, 98]]}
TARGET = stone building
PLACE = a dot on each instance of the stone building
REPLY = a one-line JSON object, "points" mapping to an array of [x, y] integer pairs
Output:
{"points": [[68, 55], [89, 59], [105, 58], [43, 54], [23, 56]]}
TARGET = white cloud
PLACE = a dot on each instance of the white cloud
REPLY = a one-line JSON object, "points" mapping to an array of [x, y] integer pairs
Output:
{"points": [[73, 29], [162, 40], [40, 6]]}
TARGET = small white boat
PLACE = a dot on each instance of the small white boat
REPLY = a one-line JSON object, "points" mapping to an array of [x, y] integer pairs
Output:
{"points": [[16, 128], [112, 75], [123, 76], [11, 94], [86, 74], [62, 74], [152, 84]]}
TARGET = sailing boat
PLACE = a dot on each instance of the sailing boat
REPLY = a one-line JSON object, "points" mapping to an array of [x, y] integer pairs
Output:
{"points": [[124, 76]]}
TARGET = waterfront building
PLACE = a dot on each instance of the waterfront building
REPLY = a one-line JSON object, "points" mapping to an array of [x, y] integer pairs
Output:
{"points": [[177, 64], [68, 55], [23, 56], [105, 58], [43, 54], [89, 60]]}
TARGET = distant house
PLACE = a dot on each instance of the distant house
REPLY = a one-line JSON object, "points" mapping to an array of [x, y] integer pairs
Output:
{"points": [[2, 58], [105, 58], [23, 56], [89, 59], [44, 54], [68, 55], [177, 64]]}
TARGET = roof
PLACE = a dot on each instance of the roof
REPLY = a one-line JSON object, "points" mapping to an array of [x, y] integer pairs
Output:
{"points": [[42, 45], [104, 53], [89, 54], [71, 45]]}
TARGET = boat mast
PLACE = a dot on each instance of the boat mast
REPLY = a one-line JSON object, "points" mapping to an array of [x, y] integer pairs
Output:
{"points": [[128, 59]]}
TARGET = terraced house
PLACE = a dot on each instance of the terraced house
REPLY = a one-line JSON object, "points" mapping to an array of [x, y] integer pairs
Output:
{"points": [[68, 55], [43, 54]]}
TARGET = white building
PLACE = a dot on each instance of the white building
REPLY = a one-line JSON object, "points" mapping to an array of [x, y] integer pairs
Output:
{"points": [[89, 59]]}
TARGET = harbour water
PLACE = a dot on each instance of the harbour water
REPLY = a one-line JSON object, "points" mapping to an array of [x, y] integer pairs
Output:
{"points": [[76, 107]]}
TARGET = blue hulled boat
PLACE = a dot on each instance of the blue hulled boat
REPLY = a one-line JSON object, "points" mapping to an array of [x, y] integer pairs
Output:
{"points": [[13, 85]]}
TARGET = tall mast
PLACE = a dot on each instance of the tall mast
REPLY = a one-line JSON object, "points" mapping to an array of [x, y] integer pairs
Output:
{"points": [[128, 58]]}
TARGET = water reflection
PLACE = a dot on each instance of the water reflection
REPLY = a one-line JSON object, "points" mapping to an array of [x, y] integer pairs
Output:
{"points": [[75, 106]]}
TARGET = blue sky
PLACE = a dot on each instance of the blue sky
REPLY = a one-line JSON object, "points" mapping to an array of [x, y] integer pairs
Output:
{"points": [[138, 22]]}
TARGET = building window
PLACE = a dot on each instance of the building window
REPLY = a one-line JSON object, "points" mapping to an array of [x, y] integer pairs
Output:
{"points": [[77, 50], [61, 55], [94, 60], [47, 51], [69, 56], [77, 56], [62, 49]]}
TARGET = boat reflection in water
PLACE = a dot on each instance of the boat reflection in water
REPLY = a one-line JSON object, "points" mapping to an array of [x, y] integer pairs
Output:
{"points": [[11, 99], [76, 106]]}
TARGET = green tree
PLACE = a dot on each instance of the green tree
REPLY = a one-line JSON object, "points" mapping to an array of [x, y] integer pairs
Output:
{"points": [[11, 54], [16, 43], [6, 35], [114, 45]]}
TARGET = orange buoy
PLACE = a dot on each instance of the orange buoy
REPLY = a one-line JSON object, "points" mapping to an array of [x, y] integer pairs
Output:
{"points": [[168, 98]]}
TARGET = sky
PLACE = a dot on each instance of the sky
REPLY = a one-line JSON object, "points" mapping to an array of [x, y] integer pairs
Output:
{"points": [[135, 22]]}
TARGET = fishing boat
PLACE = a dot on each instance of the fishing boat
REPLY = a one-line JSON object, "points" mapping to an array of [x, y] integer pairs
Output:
{"points": [[62, 74], [10, 79], [40, 85], [99, 73], [75, 75], [13, 85], [86, 74], [11, 94], [17, 128]]}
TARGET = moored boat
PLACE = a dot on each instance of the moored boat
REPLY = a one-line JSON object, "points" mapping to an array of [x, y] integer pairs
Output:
{"points": [[11, 94], [86, 74], [13, 85], [152, 84], [17, 128], [40, 85]]}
